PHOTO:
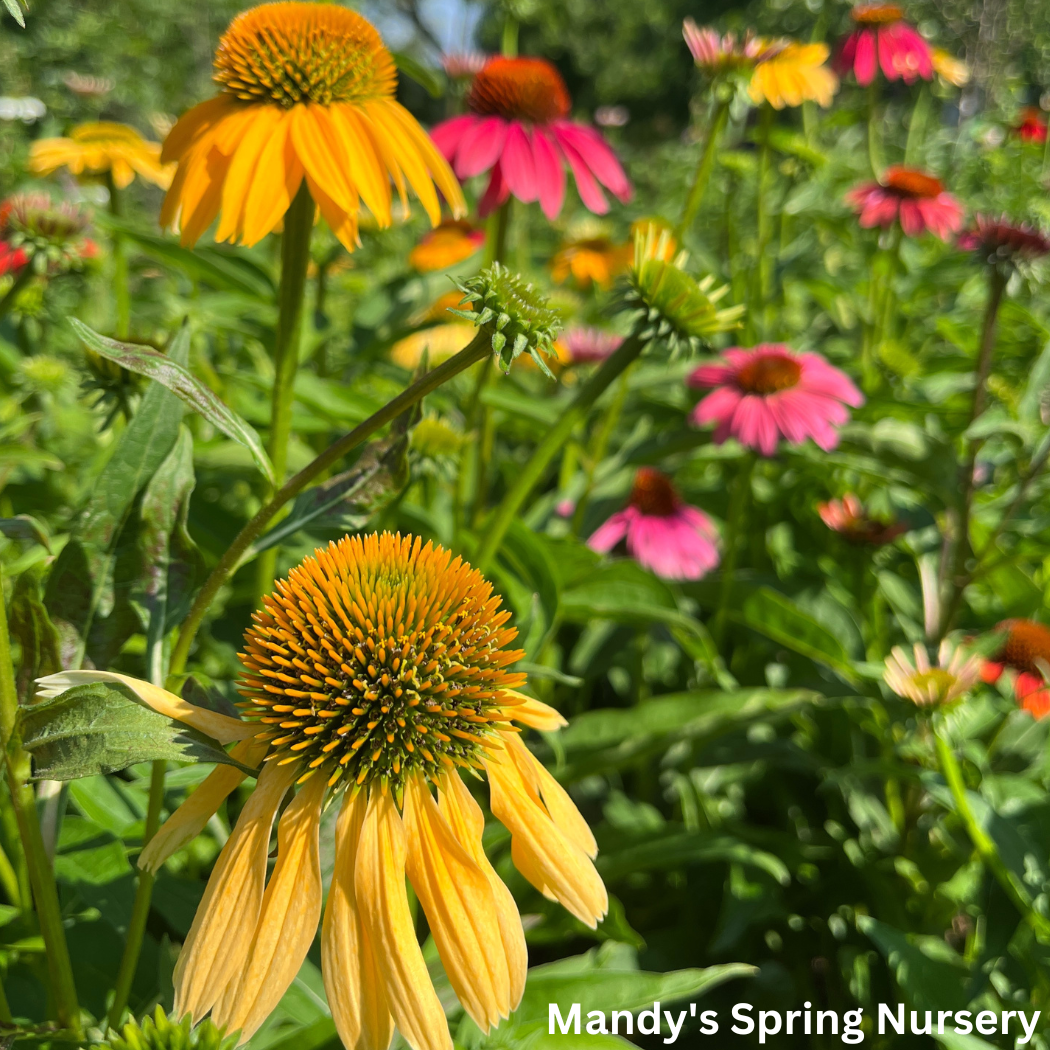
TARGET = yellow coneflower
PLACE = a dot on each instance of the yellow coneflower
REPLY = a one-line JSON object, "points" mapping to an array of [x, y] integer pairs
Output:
{"points": [[450, 243], [793, 74], [950, 69], [440, 342], [378, 670], [307, 92], [100, 149], [592, 260]]}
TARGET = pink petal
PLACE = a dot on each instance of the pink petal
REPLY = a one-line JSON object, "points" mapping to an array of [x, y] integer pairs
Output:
{"points": [[596, 153], [864, 63], [753, 425], [608, 535], [912, 221], [843, 61], [480, 147], [550, 175], [519, 171], [591, 195], [496, 192], [888, 53], [449, 133], [709, 375], [719, 405]]}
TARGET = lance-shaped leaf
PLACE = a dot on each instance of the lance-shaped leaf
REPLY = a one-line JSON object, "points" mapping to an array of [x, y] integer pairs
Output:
{"points": [[92, 729], [181, 382], [23, 527], [40, 644]]}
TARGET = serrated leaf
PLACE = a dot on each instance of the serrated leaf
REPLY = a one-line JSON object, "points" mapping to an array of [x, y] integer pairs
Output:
{"points": [[181, 382], [92, 729]]}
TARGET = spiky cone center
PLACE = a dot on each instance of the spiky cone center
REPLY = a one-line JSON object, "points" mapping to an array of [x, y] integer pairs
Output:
{"points": [[1027, 646], [674, 298], [912, 183], [653, 494], [877, 14], [769, 373], [527, 89], [1007, 239], [289, 53], [379, 658]]}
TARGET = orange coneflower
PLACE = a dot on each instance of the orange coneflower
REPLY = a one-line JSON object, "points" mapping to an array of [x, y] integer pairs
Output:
{"points": [[117, 150], [377, 671], [450, 243], [591, 260], [307, 92]]}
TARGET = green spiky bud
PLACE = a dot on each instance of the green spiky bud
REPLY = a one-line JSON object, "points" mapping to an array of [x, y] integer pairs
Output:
{"points": [[520, 315], [160, 1032], [676, 308]]}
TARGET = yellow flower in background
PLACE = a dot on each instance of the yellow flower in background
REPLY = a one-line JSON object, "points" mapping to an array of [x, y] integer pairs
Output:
{"points": [[441, 342], [792, 75], [949, 68], [375, 673], [307, 93], [592, 260], [444, 246], [100, 149]]}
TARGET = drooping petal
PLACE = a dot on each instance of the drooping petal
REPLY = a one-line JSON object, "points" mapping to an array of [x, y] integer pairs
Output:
{"points": [[550, 174], [193, 123], [217, 945], [864, 61], [366, 169], [586, 185], [379, 881], [342, 223], [269, 197], [352, 978], [318, 147], [287, 926], [598, 155], [243, 168], [480, 146], [517, 164], [496, 192], [460, 908], [448, 135], [535, 714], [608, 534]]}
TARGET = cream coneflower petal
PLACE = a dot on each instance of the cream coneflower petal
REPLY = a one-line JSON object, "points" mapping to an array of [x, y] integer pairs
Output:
{"points": [[559, 805], [353, 982], [217, 945], [467, 822], [188, 821], [244, 169], [554, 864], [535, 713], [460, 909], [218, 726], [288, 921], [379, 880]]}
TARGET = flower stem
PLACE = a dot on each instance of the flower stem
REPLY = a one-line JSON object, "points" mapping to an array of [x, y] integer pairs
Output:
{"points": [[719, 116], [920, 115], [760, 274], [876, 156], [738, 500], [531, 474], [596, 453], [20, 282], [41, 875], [121, 293], [983, 842], [295, 259], [227, 565]]}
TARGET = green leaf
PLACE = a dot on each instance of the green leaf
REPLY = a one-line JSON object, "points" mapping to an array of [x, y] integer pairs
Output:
{"points": [[15, 11], [23, 527], [96, 728], [526, 574], [428, 79], [88, 853], [180, 381], [30, 625]]}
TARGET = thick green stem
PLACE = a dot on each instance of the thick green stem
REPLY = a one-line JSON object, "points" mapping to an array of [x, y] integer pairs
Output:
{"points": [[12, 293], [739, 498], [983, 843], [228, 563], [531, 474], [760, 275], [920, 115], [140, 907], [118, 247], [719, 116], [295, 260], [509, 43], [41, 876]]}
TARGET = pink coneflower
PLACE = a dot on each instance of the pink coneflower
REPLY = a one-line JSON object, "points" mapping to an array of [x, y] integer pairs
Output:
{"points": [[848, 517], [918, 199], [1025, 651], [663, 534], [1004, 241], [770, 392], [586, 345], [517, 128], [715, 54], [1031, 127], [461, 65], [884, 40]]}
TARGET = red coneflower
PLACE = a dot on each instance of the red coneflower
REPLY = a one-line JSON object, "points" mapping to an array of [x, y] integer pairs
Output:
{"points": [[884, 40], [1026, 651], [916, 198], [1004, 241], [1031, 127], [848, 517]]}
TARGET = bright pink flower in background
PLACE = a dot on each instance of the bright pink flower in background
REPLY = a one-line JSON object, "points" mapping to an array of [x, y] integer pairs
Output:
{"points": [[715, 54], [663, 534], [586, 345], [915, 197], [884, 40], [517, 129], [11, 259], [771, 392], [848, 517], [1032, 126]]}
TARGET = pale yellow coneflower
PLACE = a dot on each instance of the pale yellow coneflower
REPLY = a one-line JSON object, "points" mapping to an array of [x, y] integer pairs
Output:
{"points": [[928, 685], [377, 671], [102, 148]]}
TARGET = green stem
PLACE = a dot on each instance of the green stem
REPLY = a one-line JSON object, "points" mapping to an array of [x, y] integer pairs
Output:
{"points": [[760, 278], [597, 451], [983, 843], [228, 563], [876, 156], [917, 126], [118, 247], [295, 259], [140, 907], [41, 875], [6, 1017], [739, 498], [531, 474], [12, 293], [9, 881], [719, 116], [509, 43]]}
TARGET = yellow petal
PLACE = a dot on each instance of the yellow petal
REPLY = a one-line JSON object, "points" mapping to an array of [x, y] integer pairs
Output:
{"points": [[385, 117], [534, 713], [245, 168], [379, 880], [271, 194], [319, 148], [343, 224], [192, 124], [365, 167], [460, 909], [467, 822], [352, 979], [227, 917], [554, 863], [381, 147], [188, 821], [219, 727], [287, 926]]}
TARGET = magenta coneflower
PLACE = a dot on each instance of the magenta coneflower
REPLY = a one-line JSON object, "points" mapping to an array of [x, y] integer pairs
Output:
{"points": [[586, 345], [770, 392], [1003, 241], [663, 534], [517, 128], [714, 54], [884, 40], [848, 517], [916, 198]]}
